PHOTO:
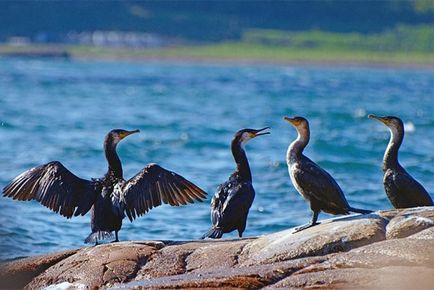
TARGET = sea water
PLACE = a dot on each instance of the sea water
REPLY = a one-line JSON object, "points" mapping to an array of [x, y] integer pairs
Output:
{"points": [[187, 113]]}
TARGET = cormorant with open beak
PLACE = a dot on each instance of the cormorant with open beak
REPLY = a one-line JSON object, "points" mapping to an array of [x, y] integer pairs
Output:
{"points": [[402, 190], [232, 200], [313, 183], [109, 198]]}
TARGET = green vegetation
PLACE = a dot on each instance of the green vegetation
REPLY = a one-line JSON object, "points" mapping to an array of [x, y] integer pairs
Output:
{"points": [[407, 45], [401, 39]]}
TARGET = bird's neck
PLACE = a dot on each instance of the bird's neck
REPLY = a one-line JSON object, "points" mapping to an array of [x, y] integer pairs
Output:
{"points": [[295, 149], [243, 168], [390, 159], [114, 163]]}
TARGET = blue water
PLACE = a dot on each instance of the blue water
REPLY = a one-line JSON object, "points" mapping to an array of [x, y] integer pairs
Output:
{"points": [[188, 113]]}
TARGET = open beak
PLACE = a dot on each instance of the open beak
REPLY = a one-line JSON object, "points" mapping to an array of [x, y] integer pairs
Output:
{"points": [[381, 119], [260, 132]]}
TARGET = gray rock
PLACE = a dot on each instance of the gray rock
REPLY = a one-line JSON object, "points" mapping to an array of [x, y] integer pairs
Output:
{"points": [[336, 235]]}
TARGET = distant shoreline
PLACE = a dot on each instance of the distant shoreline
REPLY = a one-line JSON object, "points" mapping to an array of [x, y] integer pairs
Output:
{"points": [[218, 55]]}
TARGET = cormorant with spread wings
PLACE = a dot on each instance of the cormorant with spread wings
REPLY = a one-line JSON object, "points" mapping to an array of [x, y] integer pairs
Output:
{"points": [[109, 198]]}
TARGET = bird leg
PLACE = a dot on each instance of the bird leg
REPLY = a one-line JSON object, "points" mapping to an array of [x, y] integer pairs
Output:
{"points": [[117, 238], [312, 223]]}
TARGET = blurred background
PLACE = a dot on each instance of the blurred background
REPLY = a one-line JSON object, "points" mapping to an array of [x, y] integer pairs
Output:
{"points": [[189, 74], [399, 31]]}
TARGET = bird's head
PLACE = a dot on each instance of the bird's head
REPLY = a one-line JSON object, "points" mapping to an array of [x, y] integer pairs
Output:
{"points": [[394, 123], [117, 135], [300, 123], [244, 135]]}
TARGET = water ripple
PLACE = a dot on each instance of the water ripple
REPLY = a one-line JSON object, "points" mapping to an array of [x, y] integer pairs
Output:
{"points": [[61, 110]]}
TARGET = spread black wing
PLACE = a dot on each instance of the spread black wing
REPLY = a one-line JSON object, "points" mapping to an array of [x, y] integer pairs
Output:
{"points": [[55, 187], [155, 185], [317, 183]]}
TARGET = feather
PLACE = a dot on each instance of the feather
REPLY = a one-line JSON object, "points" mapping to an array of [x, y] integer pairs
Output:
{"points": [[55, 187], [155, 185]]}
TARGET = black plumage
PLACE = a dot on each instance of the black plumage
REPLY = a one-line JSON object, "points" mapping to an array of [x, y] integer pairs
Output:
{"points": [[313, 183], [401, 188], [109, 198], [233, 199]]}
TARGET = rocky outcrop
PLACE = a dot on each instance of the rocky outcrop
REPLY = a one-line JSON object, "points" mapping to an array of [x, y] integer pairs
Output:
{"points": [[388, 249], [18, 274]]}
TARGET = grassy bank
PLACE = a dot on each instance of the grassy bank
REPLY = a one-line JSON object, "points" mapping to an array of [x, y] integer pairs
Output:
{"points": [[231, 51], [401, 46]]}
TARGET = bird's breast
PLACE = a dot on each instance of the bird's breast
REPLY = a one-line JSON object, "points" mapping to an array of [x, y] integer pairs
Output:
{"points": [[388, 175], [292, 169]]}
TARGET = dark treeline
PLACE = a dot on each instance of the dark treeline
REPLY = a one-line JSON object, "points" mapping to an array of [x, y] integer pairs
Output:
{"points": [[207, 20]]}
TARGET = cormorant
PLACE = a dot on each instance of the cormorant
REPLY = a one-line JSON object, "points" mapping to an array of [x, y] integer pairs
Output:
{"points": [[232, 199], [110, 198], [402, 190], [315, 184]]}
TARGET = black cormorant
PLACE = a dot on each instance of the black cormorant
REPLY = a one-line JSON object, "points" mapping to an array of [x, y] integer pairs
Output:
{"points": [[110, 198], [232, 199], [402, 190], [315, 184]]}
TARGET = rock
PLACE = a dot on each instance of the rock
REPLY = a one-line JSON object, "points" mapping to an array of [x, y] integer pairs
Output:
{"points": [[409, 222], [336, 235], [388, 249], [237, 277], [17, 274], [394, 277], [402, 252], [423, 235], [102, 265]]}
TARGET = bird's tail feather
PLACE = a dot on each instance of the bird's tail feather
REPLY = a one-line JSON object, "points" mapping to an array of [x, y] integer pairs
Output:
{"points": [[98, 236], [362, 211], [213, 233]]}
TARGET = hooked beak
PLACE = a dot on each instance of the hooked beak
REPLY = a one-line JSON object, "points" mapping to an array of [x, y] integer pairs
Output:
{"points": [[127, 133], [381, 119], [290, 120], [259, 132], [287, 119]]}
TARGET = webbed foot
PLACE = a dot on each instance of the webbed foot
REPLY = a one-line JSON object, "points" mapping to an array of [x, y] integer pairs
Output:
{"points": [[299, 229]]}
